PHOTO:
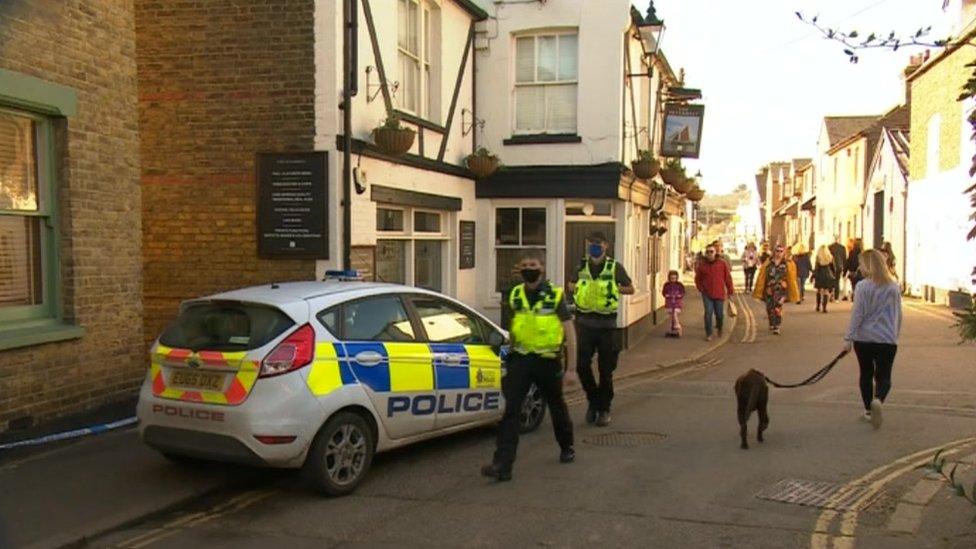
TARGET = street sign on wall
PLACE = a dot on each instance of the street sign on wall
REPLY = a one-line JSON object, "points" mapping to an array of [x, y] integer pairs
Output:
{"points": [[292, 204], [682, 130]]}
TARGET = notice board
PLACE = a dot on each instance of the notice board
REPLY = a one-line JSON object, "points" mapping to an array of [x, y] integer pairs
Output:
{"points": [[293, 205]]}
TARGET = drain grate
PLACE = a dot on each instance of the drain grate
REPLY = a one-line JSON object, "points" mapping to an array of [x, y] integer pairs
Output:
{"points": [[824, 495], [625, 439]]}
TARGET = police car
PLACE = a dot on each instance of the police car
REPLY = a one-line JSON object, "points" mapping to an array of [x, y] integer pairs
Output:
{"points": [[321, 376]]}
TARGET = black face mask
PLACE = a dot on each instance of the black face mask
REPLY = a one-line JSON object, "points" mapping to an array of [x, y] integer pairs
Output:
{"points": [[531, 275]]}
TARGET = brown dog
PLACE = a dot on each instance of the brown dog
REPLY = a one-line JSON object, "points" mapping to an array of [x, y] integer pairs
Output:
{"points": [[752, 393]]}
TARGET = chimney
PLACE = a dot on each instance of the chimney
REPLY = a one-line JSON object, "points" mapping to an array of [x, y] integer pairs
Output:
{"points": [[914, 63]]}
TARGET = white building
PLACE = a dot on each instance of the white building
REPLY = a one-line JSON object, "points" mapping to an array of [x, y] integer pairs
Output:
{"points": [[885, 195]]}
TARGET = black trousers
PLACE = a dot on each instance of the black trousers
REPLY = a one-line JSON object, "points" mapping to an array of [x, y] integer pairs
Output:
{"points": [[875, 361], [601, 342], [837, 286], [750, 273], [521, 372]]}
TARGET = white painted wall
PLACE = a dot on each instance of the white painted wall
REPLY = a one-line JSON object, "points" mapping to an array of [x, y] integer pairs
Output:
{"points": [[886, 177]]}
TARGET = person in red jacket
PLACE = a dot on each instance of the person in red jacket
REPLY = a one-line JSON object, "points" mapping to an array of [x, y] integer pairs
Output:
{"points": [[713, 278]]}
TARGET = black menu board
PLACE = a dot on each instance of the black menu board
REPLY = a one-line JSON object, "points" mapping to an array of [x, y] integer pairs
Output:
{"points": [[466, 261], [292, 205]]}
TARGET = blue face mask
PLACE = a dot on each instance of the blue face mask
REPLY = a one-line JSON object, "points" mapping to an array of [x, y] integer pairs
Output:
{"points": [[596, 250]]}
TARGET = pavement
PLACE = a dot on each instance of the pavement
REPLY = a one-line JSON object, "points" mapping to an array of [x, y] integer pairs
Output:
{"points": [[106, 482]]}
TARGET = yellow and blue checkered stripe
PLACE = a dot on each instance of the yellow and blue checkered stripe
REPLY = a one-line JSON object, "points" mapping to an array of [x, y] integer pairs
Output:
{"points": [[415, 367]]}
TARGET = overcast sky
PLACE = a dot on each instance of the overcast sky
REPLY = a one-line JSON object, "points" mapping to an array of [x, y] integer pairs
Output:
{"points": [[768, 79]]}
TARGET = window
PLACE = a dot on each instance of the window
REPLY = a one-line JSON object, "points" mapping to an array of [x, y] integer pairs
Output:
{"points": [[516, 230], [444, 322], [225, 326], [835, 173], [412, 254], [28, 263], [416, 45], [380, 318], [546, 70]]}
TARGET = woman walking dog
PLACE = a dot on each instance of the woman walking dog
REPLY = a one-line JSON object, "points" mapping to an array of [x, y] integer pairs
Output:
{"points": [[873, 331]]}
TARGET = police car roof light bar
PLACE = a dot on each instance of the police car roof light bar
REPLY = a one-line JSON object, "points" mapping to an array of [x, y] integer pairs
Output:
{"points": [[345, 276]]}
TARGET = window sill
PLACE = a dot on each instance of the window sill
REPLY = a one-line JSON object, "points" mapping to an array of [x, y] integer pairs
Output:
{"points": [[543, 139], [26, 335]]}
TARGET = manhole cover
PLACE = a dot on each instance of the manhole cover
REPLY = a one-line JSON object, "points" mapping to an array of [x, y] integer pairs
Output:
{"points": [[624, 439], [825, 495]]}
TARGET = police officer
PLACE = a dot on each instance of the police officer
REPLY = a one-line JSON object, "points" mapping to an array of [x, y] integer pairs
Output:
{"points": [[597, 287], [539, 321]]}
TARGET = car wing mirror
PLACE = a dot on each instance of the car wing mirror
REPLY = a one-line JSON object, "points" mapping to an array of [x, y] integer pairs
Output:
{"points": [[496, 340]]}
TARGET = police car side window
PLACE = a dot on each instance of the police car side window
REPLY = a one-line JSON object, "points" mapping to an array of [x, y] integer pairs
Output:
{"points": [[444, 322], [330, 319], [381, 318]]}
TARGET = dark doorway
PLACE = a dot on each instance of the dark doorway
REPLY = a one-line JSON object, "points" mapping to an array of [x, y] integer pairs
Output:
{"points": [[879, 207], [576, 232]]}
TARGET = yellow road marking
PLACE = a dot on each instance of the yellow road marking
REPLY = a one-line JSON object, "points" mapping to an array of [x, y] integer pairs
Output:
{"points": [[822, 538]]}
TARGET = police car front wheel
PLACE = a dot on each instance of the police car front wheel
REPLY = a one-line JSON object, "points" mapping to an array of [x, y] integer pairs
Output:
{"points": [[341, 454]]}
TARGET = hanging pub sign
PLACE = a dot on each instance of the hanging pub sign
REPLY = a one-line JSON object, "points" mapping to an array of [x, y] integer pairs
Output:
{"points": [[682, 130], [292, 204]]}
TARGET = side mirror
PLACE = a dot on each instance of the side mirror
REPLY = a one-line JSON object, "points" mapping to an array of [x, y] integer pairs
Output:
{"points": [[496, 340]]}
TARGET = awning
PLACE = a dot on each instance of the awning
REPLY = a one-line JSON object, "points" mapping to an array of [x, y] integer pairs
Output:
{"points": [[810, 205]]}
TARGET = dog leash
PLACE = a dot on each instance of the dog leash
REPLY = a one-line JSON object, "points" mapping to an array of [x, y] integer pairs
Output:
{"points": [[820, 374]]}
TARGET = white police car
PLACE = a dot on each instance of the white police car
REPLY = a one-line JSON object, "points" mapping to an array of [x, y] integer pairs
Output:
{"points": [[321, 375]]}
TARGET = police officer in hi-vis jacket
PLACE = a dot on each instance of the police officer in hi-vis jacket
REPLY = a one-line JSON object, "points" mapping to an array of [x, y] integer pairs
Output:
{"points": [[597, 287], [537, 317]]}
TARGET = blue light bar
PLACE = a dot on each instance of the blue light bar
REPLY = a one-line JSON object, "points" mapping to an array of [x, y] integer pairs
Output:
{"points": [[348, 275]]}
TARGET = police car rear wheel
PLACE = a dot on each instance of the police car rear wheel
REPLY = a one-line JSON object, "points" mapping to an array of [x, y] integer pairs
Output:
{"points": [[341, 454], [533, 410]]}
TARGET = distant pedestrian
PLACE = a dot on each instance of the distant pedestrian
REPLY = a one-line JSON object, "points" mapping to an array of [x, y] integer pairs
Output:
{"points": [[764, 254], [713, 278], [873, 331], [839, 253], [775, 285], [750, 261], [720, 254], [674, 299], [803, 268], [852, 267], [889, 256], [824, 278]]}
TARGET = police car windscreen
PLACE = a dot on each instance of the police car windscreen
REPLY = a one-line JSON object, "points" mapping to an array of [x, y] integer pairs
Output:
{"points": [[225, 326]]}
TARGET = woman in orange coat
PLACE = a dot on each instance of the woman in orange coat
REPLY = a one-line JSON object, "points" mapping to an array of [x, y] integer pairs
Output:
{"points": [[775, 285]]}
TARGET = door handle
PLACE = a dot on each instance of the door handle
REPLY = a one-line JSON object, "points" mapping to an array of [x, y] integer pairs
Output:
{"points": [[368, 358], [452, 359]]}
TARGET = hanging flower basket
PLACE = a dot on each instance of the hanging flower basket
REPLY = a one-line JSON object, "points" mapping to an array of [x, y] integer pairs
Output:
{"points": [[482, 163], [392, 138], [672, 175], [683, 184], [645, 169], [696, 194]]}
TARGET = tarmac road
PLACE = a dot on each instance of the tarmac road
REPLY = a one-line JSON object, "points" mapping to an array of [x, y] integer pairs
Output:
{"points": [[667, 473]]}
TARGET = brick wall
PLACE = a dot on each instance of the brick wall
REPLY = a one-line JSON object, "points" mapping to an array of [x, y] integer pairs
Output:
{"points": [[88, 45], [218, 82]]}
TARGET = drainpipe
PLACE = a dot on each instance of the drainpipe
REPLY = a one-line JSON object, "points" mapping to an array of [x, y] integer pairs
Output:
{"points": [[350, 46]]}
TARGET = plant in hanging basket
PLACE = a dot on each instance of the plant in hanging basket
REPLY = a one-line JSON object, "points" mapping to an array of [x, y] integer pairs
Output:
{"points": [[673, 172], [684, 184], [696, 194], [392, 138], [646, 166], [482, 163]]}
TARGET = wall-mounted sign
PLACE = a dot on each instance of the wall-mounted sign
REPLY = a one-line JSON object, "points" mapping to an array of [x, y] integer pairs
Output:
{"points": [[466, 247], [292, 204], [682, 130]]}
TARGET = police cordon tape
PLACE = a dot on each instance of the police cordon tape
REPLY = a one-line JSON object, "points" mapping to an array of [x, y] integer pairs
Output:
{"points": [[92, 430]]}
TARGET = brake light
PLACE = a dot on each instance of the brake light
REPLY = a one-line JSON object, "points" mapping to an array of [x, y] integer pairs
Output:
{"points": [[296, 351], [275, 439]]}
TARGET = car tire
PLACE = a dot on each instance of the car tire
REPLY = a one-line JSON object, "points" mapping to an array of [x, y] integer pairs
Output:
{"points": [[533, 410], [340, 455]]}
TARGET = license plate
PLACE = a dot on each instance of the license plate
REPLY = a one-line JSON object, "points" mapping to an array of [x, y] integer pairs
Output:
{"points": [[199, 380]]}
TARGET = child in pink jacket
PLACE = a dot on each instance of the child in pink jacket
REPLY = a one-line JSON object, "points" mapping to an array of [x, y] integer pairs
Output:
{"points": [[674, 293]]}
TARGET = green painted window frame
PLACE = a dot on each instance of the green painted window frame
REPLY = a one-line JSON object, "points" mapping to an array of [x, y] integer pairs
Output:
{"points": [[40, 101]]}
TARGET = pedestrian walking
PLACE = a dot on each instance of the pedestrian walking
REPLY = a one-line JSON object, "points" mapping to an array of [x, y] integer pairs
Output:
{"points": [[889, 256], [537, 317], [713, 278], [775, 284], [674, 296], [803, 268], [750, 261], [873, 331], [852, 267], [720, 254], [824, 278], [764, 254], [597, 286], [839, 254]]}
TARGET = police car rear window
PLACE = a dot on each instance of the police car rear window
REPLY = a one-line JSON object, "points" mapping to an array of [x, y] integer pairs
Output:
{"points": [[225, 326]]}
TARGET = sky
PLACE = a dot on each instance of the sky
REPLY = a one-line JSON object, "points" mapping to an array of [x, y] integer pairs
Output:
{"points": [[768, 79]]}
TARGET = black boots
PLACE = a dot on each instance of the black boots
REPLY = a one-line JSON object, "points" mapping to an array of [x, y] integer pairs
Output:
{"points": [[819, 300]]}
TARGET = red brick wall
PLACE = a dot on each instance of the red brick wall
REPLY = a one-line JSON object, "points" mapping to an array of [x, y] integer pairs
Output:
{"points": [[88, 45], [219, 81]]}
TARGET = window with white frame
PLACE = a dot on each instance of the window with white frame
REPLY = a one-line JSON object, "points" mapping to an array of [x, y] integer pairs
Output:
{"points": [[417, 35], [410, 246], [516, 230], [546, 77]]}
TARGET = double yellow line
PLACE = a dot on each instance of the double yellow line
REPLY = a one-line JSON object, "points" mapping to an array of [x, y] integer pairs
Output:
{"points": [[176, 526], [750, 332]]}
